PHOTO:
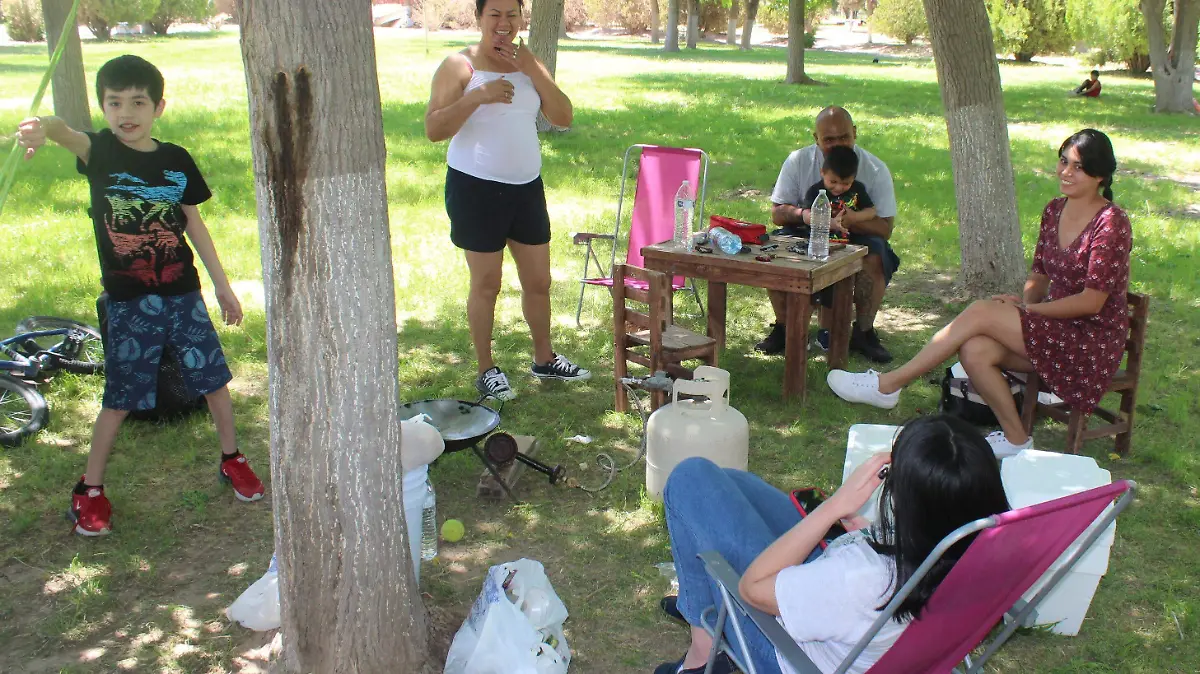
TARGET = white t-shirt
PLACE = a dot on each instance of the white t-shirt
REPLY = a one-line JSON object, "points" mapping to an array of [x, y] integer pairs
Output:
{"points": [[499, 141], [828, 604], [802, 169]]}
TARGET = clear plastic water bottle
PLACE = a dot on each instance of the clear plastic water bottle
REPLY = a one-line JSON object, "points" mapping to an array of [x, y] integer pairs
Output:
{"points": [[685, 207], [728, 242], [429, 534], [818, 231]]}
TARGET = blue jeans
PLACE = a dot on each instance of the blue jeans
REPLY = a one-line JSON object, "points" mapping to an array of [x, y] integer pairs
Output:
{"points": [[735, 513]]}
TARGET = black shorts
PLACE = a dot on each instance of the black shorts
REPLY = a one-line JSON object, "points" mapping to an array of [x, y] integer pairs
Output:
{"points": [[485, 214]]}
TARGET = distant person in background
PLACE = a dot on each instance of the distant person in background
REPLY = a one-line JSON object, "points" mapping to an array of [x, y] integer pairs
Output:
{"points": [[1090, 87]]}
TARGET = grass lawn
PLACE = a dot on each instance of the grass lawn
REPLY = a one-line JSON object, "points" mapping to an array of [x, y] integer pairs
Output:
{"points": [[150, 597]]}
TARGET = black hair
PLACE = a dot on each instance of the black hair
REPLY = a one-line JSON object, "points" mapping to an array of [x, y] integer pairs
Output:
{"points": [[943, 475], [129, 72], [1096, 73], [480, 4], [1096, 155], [842, 160]]}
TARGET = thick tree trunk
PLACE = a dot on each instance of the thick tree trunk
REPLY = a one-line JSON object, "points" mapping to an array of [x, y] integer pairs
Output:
{"points": [[731, 31], [693, 24], [1173, 63], [349, 598], [989, 231], [795, 62], [671, 39], [655, 24], [68, 83], [748, 23], [545, 19]]}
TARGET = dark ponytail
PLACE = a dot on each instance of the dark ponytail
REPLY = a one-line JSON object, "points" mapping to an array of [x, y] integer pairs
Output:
{"points": [[1095, 155]]}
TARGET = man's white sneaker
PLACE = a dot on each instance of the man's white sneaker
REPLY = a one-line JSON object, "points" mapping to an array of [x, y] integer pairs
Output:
{"points": [[1001, 446], [861, 387]]}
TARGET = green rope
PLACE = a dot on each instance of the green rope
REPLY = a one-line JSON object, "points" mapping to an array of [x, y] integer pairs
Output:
{"points": [[8, 172]]}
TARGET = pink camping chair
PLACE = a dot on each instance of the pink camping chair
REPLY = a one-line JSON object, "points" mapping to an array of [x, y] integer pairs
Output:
{"points": [[1011, 551], [661, 170]]}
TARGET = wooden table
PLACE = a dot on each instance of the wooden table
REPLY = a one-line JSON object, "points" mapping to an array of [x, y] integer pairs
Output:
{"points": [[797, 275]]}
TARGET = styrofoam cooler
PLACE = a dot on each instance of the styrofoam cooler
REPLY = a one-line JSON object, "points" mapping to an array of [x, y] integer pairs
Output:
{"points": [[1033, 477], [862, 442]]}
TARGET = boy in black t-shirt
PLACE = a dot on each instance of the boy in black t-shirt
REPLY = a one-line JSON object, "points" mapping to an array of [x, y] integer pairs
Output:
{"points": [[848, 199], [144, 195]]}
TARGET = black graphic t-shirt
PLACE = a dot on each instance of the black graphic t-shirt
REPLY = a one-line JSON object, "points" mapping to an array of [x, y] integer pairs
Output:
{"points": [[137, 213], [853, 199]]}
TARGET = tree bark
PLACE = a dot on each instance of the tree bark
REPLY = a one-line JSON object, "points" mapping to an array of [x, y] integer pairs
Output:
{"points": [[671, 39], [546, 17], [69, 85], [1173, 63], [748, 23], [693, 24], [795, 62], [655, 24], [349, 599], [989, 231], [731, 31]]}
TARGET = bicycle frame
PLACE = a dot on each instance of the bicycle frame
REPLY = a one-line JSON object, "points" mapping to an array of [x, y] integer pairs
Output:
{"points": [[29, 367]]}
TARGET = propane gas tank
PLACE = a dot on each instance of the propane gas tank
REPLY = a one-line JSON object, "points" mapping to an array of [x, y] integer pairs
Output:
{"points": [[686, 428]]}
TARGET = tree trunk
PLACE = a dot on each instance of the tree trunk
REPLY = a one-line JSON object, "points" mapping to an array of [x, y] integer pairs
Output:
{"points": [[1138, 63], [671, 40], [1173, 64], [748, 23], [655, 25], [989, 231], [795, 62], [546, 17], [731, 31], [349, 599], [693, 24], [69, 86]]}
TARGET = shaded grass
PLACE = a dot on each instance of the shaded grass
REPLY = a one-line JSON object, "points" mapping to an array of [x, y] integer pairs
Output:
{"points": [[150, 596]]}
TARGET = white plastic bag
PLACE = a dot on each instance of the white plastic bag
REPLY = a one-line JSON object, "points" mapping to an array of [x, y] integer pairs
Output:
{"points": [[515, 626], [258, 607], [420, 443]]}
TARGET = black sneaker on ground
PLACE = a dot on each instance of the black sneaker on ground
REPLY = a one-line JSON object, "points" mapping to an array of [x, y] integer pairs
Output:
{"points": [[494, 383], [823, 339], [723, 665], [774, 342], [669, 605], [560, 368], [867, 343]]}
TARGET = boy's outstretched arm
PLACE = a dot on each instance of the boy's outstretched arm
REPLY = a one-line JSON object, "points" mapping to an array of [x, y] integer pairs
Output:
{"points": [[197, 232], [32, 133]]}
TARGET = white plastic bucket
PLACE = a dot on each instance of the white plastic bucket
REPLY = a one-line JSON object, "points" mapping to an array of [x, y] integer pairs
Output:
{"points": [[414, 501]]}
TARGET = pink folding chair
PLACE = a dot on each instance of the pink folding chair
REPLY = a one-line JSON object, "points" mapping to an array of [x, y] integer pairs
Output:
{"points": [[661, 170], [1011, 551]]}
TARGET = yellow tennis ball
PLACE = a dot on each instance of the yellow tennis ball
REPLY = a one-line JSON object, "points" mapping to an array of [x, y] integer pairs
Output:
{"points": [[453, 530]]}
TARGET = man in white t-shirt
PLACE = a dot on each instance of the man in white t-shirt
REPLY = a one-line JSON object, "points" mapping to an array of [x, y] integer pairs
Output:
{"points": [[800, 171]]}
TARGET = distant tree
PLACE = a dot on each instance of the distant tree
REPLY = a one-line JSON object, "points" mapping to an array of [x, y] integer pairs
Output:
{"points": [[1172, 54], [655, 23], [1115, 27], [731, 32], [69, 86], [25, 22], [901, 19], [693, 22], [101, 16], [748, 23], [545, 28], [170, 12], [1026, 28], [671, 41], [796, 38]]}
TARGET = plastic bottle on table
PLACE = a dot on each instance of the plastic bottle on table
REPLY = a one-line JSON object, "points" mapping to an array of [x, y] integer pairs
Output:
{"points": [[728, 242], [429, 533], [818, 231], [685, 207]]}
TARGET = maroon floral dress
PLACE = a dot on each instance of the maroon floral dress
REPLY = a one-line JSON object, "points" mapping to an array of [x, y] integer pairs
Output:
{"points": [[1077, 357]]}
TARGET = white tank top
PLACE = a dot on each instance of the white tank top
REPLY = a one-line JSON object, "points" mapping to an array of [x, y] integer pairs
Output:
{"points": [[499, 141]]}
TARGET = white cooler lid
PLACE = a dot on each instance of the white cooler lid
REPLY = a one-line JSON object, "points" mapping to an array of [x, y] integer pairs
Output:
{"points": [[1034, 476]]}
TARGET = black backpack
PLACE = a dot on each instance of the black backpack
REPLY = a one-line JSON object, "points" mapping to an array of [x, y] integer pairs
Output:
{"points": [[960, 399], [172, 402]]}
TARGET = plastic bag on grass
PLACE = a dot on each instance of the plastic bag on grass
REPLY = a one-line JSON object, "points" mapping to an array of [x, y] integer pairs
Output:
{"points": [[515, 626], [258, 607]]}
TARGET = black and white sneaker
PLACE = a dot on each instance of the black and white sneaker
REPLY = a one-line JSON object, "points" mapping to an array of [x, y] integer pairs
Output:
{"points": [[560, 368], [494, 383]]}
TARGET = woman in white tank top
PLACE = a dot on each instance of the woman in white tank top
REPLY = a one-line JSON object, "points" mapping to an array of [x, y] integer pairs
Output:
{"points": [[486, 99]]}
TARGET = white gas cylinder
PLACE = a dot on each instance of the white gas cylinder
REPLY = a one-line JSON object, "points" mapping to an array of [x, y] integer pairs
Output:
{"points": [[686, 428]]}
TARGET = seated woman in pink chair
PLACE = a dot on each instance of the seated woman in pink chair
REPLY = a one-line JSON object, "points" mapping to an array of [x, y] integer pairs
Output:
{"points": [[1069, 326]]}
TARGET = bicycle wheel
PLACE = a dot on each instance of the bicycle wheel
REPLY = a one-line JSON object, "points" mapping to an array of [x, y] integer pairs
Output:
{"points": [[86, 357], [22, 411]]}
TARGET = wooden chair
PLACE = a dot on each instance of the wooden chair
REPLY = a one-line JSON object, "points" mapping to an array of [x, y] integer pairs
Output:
{"points": [[1125, 382], [651, 339]]}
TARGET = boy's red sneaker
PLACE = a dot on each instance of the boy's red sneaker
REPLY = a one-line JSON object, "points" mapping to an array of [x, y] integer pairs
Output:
{"points": [[246, 485], [91, 512]]}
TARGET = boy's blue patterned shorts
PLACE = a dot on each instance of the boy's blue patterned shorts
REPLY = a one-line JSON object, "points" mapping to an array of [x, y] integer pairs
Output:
{"points": [[138, 329]]}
